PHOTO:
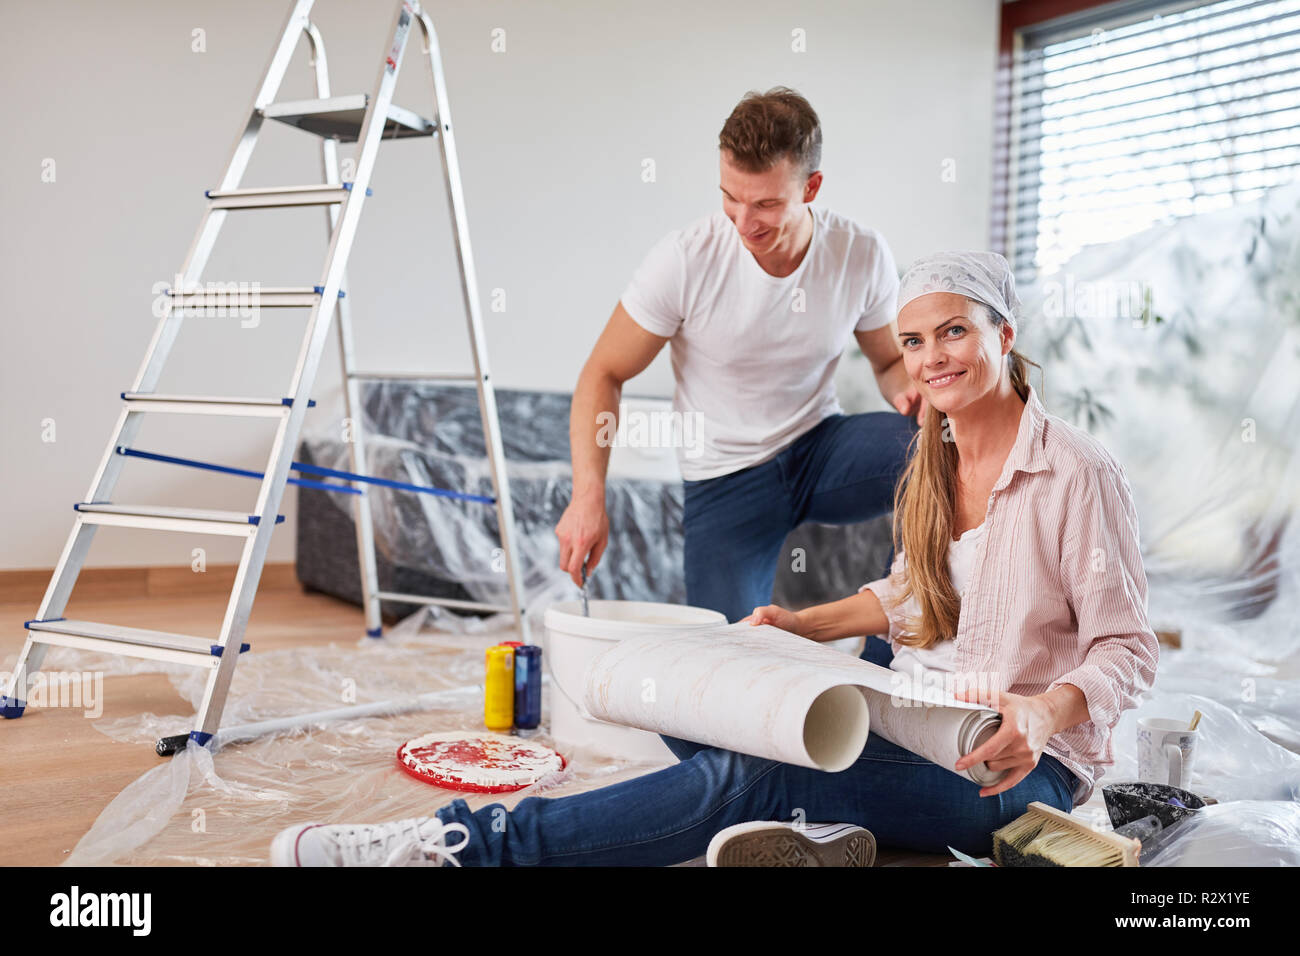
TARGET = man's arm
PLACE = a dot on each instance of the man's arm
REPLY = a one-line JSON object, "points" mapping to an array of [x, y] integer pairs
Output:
{"points": [[880, 346], [623, 351]]}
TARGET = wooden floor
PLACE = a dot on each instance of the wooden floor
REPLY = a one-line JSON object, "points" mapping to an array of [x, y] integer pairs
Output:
{"points": [[60, 772]]}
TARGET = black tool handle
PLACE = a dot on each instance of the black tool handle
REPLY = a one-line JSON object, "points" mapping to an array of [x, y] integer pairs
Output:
{"points": [[169, 746]]}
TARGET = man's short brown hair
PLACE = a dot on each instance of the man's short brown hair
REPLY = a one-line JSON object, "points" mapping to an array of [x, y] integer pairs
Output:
{"points": [[764, 127]]}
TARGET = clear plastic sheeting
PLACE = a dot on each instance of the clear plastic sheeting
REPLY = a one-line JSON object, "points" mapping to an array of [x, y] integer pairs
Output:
{"points": [[1179, 348], [204, 808], [1241, 833], [1233, 761], [431, 435]]}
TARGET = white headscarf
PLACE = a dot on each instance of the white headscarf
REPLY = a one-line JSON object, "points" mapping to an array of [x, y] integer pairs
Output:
{"points": [[983, 276]]}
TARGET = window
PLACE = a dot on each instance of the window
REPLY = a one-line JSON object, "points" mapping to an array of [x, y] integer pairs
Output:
{"points": [[1127, 114]]}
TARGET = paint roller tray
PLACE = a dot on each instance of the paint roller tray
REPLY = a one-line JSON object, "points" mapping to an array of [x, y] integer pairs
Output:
{"points": [[1126, 802]]}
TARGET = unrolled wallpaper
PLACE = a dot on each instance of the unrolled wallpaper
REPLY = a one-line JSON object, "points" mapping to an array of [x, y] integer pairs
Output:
{"points": [[763, 691]]}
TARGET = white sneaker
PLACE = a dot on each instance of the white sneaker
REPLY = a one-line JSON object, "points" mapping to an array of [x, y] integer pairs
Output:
{"points": [[416, 842], [788, 844]]}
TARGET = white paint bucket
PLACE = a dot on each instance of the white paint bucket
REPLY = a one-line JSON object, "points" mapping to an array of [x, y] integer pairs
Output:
{"points": [[572, 640]]}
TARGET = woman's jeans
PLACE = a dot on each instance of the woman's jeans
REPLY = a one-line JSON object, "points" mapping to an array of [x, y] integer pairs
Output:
{"points": [[669, 816], [842, 471]]}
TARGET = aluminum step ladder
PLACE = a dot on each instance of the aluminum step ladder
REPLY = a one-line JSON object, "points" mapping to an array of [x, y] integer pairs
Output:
{"points": [[367, 120]]}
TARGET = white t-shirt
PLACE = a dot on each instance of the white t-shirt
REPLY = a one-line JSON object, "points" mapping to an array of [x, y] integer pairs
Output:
{"points": [[943, 655], [754, 355]]}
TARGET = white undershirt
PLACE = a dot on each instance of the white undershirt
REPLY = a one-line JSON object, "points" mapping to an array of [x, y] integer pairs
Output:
{"points": [[942, 656]]}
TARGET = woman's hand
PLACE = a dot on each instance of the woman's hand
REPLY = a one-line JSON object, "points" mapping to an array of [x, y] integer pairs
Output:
{"points": [[1027, 723], [777, 617]]}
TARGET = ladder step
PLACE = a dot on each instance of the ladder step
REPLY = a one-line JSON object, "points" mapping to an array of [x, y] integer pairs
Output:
{"points": [[340, 118], [244, 296], [130, 641], [209, 404], [414, 376], [266, 197], [442, 602], [164, 518]]}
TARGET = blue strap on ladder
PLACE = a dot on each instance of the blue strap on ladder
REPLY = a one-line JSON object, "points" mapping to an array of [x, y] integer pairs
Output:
{"points": [[307, 482]]}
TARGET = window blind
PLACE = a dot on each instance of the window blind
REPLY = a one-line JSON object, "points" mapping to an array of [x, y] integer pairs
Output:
{"points": [[1136, 112]]}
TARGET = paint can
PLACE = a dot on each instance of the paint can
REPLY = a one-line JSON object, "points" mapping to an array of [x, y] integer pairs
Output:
{"points": [[528, 688], [499, 689]]}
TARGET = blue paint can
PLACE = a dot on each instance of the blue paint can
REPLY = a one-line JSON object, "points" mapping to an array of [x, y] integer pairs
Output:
{"points": [[528, 687]]}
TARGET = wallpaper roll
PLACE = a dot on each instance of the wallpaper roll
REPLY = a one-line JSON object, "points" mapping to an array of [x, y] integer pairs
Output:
{"points": [[769, 693]]}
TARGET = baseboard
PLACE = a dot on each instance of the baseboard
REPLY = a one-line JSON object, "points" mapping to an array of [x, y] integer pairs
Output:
{"points": [[28, 586]]}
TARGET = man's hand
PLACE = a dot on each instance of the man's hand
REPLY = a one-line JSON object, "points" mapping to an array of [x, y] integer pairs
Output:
{"points": [[1027, 723], [909, 402], [777, 617], [902, 392], [881, 348], [583, 531]]}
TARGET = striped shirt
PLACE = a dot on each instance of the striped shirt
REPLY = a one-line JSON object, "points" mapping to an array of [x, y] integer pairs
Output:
{"points": [[1057, 594]]}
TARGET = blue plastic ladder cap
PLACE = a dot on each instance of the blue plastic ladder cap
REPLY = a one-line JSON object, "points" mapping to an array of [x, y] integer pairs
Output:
{"points": [[11, 709], [200, 738], [320, 290], [375, 632], [311, 402], [215, 649]]}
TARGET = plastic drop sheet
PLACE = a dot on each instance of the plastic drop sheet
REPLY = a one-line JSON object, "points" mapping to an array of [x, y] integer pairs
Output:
{"points": [[1179, 349], [431, 436], [205, 808]]}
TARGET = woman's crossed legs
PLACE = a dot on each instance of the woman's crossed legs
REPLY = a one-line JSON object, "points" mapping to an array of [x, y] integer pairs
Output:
{"points": [[670, 816]]}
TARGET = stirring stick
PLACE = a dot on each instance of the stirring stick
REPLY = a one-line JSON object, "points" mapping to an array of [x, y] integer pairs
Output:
{"points": [[1196, 719], [586, 612]]}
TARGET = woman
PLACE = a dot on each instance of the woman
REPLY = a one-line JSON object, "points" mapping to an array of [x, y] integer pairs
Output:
{"points": [[1017, 568]]}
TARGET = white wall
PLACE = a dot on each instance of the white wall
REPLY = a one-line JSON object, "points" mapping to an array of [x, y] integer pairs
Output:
{"points": [[552, 134]]}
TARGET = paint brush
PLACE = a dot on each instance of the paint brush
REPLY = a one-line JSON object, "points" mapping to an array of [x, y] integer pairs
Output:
{"points": [[586, 612]]}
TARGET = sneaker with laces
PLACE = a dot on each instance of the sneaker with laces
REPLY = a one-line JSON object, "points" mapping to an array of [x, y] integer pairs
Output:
{"points": [[789, 844], [420, 841]]}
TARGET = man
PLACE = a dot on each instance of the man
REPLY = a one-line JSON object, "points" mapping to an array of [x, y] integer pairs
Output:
{"points": [[758, 302]]}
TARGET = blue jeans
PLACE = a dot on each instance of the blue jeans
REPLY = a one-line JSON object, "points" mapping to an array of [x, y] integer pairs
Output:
{"points": [[669, 816], [841, 471]]}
